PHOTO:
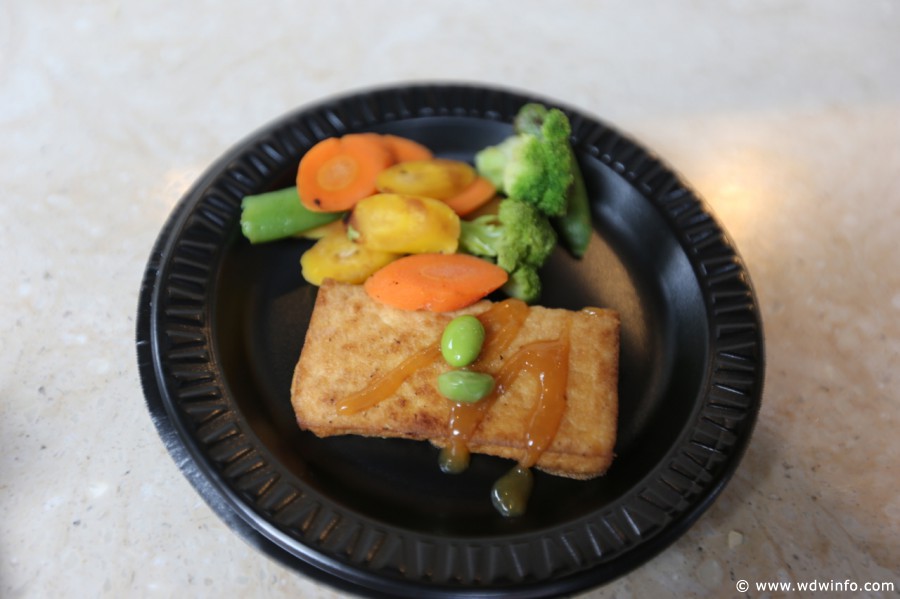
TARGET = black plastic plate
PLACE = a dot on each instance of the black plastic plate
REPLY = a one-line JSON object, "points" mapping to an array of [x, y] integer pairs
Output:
{"points": [[221, 325]]}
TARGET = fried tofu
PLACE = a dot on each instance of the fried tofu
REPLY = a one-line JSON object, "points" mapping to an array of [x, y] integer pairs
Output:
{"points": [[352, 340]]}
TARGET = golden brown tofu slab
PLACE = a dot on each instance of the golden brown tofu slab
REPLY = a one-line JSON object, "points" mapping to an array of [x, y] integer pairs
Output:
{"points": [[352, 340]]}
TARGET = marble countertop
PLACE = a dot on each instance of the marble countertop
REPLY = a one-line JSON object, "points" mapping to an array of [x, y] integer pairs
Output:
{"points": [[783, 115]]}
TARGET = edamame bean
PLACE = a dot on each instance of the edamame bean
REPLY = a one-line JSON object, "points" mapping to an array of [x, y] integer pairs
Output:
{"points": [[465, 385], [462, 340]]}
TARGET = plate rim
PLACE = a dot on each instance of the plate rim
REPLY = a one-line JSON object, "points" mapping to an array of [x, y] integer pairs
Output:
{"points": [[736, 335]]}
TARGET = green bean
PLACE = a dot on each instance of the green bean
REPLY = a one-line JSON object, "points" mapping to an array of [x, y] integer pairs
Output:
{"points": [[278, 214], [575, 226], [462, 340], [465, 385]]}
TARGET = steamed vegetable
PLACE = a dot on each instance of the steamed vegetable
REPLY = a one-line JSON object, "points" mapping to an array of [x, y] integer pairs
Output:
{"points": [[337, 172], [462, 340], [533, 165], [519, 237], [466, 386], [277, 214], [473, 197], [404, 224], [372, 200], [336, 257], [437, 178], [435, 282], [405, 150], [337, 226], [574, 226]]}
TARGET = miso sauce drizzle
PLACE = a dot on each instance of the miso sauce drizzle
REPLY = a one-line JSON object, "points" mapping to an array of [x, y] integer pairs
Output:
{"points": [[502, 323], [384, 386], [547, 361]]}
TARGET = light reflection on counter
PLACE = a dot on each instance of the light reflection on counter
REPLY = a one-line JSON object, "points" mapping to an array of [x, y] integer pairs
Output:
{"points": [[175, 183]]}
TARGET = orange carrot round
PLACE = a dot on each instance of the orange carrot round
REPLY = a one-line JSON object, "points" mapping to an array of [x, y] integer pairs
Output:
{"points": [[477, 194], [405, 150], [339, 171], [435, 282]]}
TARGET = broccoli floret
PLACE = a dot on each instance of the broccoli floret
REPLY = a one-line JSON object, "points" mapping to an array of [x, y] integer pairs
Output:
{"points": [[524, 283], [533, 165], [519, 237], [530, 119], [490, 162]]}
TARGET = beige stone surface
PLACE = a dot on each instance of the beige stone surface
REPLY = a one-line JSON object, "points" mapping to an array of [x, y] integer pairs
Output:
{"points": [[785, 116]]}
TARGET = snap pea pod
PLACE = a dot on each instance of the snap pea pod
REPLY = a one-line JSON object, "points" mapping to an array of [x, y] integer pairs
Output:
{"points": [[575, 226], [279, 214]]}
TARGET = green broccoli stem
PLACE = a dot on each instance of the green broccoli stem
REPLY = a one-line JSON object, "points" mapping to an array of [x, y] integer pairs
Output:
{"points": [[279, 214], [480, 236], [575, 226], [530, 119], [524, 283]]}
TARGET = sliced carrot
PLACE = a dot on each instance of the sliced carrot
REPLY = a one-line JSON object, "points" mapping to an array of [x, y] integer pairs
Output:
{"points": [[337, 172], [492, 207], [438, 178], [477, 194], [323, 230], [435, 282], [404, 149], [336, 257]]}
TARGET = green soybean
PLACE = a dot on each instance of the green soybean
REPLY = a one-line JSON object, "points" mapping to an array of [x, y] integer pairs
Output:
{"points": [[465, 385], [462, 340]]}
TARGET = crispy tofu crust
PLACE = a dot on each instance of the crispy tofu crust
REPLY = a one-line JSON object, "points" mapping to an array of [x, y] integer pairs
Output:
{"points": [[352, 340]]}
